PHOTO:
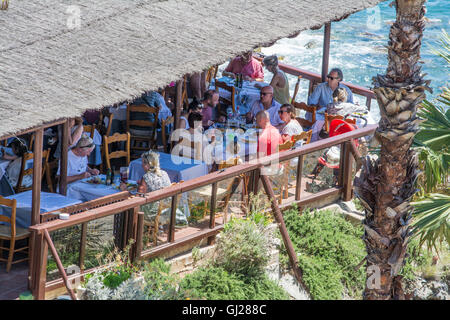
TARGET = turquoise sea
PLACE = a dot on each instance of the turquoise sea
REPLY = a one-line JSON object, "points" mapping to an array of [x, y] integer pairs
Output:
{"points": [[357, 47]]}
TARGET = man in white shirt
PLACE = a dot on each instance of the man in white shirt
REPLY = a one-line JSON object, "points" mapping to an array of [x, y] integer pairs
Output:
{"points": [[266, 103], [77, 160]]}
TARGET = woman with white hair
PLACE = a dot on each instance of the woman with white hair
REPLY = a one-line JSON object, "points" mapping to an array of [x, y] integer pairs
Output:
{"points": [[154, 178], [77, 160], [280, 82]]}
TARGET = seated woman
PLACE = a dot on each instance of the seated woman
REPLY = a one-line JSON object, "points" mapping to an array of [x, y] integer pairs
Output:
{"points": [[19, 148], [192, 142], [77, 160], [194, 106], [292, 127], [280, 82], [154, 179]]}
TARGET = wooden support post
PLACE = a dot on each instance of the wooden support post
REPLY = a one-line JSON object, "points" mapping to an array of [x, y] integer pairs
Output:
{"points": [[40, 267], [63, 158], [173, 214], [212, 214], [60, 265], [326, 51], [347, 179], [298, 187], [284, 233], [139, 235], [83, 245], [341, 165], [37, 177], [178, 102]]}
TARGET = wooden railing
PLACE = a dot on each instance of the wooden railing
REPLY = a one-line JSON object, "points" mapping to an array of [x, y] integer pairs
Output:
{"points": [[128, 207]]}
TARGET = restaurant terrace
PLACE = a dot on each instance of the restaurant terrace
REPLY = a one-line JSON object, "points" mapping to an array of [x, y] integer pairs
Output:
{"points": [[60, 61]]}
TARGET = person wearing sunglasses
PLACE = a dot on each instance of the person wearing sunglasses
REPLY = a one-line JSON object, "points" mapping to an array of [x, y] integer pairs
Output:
{"points": [[77, 160], [267, 103], [323, 95]]}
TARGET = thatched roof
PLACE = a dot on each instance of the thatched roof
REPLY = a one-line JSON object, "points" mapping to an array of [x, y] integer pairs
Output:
{"points": [[126, 47]]}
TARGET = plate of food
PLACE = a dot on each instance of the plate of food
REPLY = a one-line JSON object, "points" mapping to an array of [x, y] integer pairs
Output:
{"points": [[95, 180]]}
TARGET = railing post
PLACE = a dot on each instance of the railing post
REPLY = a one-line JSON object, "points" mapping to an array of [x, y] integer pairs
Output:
{"points": [[347, 178], [83, 245], [298, 186], [212, 212], [173, 213], [40, 267], [139, 235]]}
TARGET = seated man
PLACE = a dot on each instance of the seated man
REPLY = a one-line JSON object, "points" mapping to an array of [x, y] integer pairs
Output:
{"points": [[267, 103], [247, 65], [323, 95], [270, 138], [209, 111], [77, 160]]}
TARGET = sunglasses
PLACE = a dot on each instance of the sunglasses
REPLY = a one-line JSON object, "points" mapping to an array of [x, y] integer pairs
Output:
{"points": [[281, 111], [330, 77], [264, 93]]}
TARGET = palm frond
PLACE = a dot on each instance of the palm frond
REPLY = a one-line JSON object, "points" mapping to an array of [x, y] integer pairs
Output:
{"points": [[432, 224]]}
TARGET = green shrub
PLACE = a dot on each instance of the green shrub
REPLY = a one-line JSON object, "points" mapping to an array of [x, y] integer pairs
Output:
{"points": [[329, 248], [215, 283], [243, 248], [159, 283]]}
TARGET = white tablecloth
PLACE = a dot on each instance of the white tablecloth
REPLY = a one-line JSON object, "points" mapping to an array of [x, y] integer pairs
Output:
{"points": [[245, 96], [178, 168], [85, 191], [49, 202]]}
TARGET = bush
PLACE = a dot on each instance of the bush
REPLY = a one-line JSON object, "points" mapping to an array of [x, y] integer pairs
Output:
{"points": [[215, 283], [329, 248], [159, 283], [243, 248]]}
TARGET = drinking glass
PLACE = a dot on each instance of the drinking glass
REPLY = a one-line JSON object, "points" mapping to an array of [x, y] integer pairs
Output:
{"points": [[124, 174]]}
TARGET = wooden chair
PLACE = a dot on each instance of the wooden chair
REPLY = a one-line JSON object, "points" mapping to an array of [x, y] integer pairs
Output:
{"points": [[25, 172], [230, 89], [146, 124], [212, 73], [89, 129], [286, 146], [107, 131], [297, 85], [117, 137], [153, 226], [305, 136], [331, 117], [11, 233], [164, 134], [303, 106]]}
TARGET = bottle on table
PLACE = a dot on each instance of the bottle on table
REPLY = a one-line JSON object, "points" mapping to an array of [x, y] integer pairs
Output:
{"points": [[108, 177]]}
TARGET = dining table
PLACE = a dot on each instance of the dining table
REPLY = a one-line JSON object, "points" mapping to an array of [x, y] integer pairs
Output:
{"points": [[48, 202], [245, 97], [85, 190], [178, 168]]}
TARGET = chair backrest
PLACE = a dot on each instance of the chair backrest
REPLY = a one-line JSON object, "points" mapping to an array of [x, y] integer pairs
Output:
{"points": [[297, 85], [286, 146], [25, 172], [89, 129], [228, 163], [143, 123], [164, 124], [110, 119], [231, 89], [11, 203], [117, 137], [305, 136], [303, 106], [212, 73]]}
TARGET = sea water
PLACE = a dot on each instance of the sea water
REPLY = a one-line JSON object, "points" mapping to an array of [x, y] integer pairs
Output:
{"points": [[358, 47]]}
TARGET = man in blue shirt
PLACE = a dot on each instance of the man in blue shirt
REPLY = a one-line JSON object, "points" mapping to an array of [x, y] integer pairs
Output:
{"points": [[267, 103], [322, 96]]}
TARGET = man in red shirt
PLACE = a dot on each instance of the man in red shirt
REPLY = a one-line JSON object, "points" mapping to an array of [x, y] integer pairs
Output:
{"points": [[246, 65], [270, 138]]}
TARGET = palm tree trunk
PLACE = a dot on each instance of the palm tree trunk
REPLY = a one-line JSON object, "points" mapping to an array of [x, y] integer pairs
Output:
{"points": [[387, 183]]}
